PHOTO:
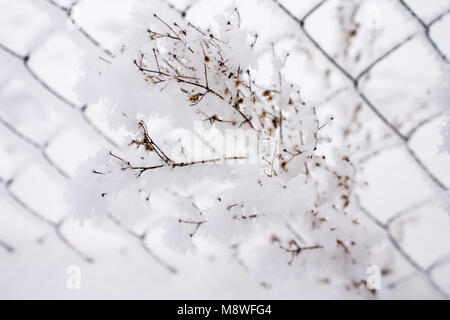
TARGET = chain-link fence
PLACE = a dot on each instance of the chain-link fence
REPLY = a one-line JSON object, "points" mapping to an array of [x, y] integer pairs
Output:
{"points": [[40, 148]]}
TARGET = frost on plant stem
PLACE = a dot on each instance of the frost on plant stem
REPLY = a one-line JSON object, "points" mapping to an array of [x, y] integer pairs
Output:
{"points": [[213, 153]]}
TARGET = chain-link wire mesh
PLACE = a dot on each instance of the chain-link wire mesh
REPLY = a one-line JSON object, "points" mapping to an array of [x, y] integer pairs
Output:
{"points": [[41, 147]]}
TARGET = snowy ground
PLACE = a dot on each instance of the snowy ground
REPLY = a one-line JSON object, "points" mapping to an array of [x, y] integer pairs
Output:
{"points": [[46, 130]]}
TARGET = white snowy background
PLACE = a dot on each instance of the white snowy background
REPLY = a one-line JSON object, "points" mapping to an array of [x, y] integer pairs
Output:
{"points": [[47, 129]]}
